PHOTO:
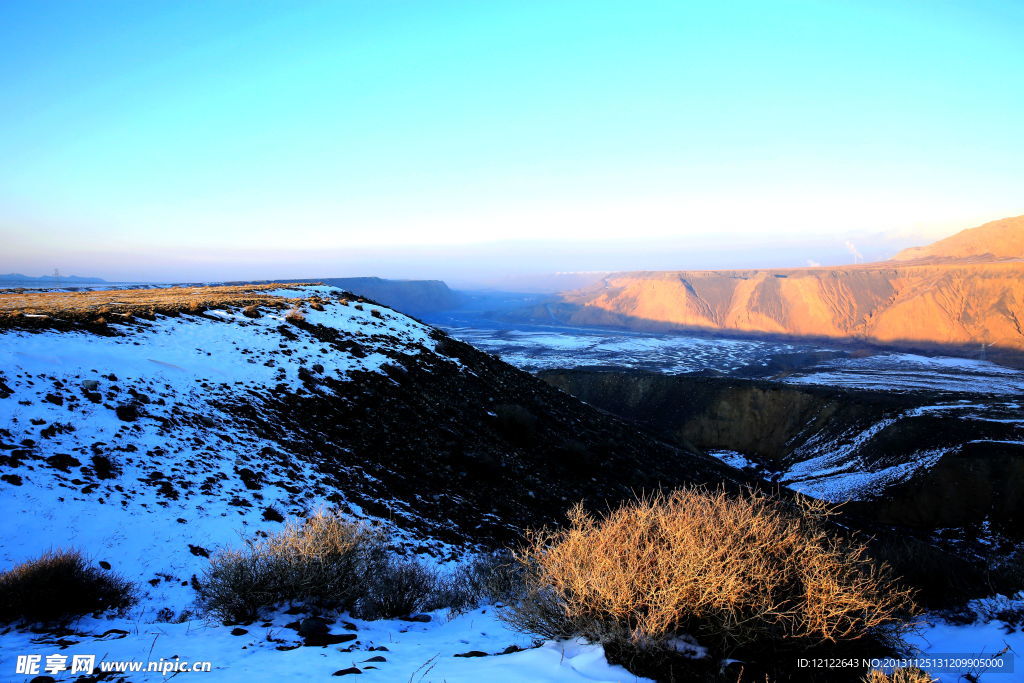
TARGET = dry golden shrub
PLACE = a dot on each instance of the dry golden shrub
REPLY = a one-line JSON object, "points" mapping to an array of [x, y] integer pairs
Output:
{"points": [[906, 675], [324, 560], [730, 570], [321, 535]]}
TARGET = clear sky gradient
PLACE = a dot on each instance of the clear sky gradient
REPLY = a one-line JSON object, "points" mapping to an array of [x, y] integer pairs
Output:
{"points": [[463, 140]]}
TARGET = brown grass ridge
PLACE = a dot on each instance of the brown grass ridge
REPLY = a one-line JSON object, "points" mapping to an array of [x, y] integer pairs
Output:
{"points": [[25, 308]]}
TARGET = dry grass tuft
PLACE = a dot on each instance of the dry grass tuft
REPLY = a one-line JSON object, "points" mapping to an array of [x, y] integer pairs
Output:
{"points": [[907, 675], [731, 571], [322, 561], [59, 586], [326, 562]]}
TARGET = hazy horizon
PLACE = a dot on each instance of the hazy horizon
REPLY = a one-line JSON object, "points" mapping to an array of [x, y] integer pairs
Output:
{"points": [[476, 142], [471, 266]]}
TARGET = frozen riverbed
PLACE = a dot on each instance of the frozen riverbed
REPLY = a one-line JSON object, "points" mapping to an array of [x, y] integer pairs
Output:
{"points": [[536, 348]]}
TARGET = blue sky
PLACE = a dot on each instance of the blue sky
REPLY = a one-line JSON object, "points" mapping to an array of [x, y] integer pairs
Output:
{"points": [[175, 140]]}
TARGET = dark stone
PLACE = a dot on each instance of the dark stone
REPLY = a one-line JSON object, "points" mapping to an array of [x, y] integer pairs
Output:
{"points": [[272, 515], [418, 618], [127, 413], [313, 626], [328, 639], [63, 461]]}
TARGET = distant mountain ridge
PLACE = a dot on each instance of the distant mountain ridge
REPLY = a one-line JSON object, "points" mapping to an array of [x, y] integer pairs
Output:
{"points": [[1002, 239], [18, 277], [936, 300], [408, 296]]}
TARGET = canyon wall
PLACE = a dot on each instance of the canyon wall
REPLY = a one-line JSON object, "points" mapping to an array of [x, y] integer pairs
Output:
{"points": [[960, 305], [963, 294]]}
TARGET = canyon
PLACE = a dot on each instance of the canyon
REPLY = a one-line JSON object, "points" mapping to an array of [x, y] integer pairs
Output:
{"points": [[963, 295]]}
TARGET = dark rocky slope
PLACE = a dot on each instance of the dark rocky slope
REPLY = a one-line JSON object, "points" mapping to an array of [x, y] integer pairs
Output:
{"points": [[473, 449]]}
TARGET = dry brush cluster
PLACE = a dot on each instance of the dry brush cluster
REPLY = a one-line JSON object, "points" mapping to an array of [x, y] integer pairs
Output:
{"points": [[902, 675], [748, 577], [58, 586], [738, 573], [330, 562]]}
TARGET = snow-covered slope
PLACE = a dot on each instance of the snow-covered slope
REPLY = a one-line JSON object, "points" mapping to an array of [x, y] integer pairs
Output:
{"points": [[151, 442], [121, 445], [231, 418]]}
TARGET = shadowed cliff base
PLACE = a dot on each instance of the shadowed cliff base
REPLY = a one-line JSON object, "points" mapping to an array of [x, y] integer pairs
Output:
{"points": [[924, 459], [927, 473]]}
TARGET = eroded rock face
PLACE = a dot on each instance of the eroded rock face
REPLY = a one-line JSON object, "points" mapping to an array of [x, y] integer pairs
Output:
{"points": [[936, 300], [976, 483], [914, 306]]}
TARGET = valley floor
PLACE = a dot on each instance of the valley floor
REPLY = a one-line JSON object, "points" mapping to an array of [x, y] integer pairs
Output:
{"points": [[534, 348]]}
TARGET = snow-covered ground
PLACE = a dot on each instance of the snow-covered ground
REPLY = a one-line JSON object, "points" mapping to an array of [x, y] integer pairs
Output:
{"points": [[910, 372], [182, 463], [536, 349], [472, 647], [830, 466], [467, 648], [988, 636], [826, 470]]}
